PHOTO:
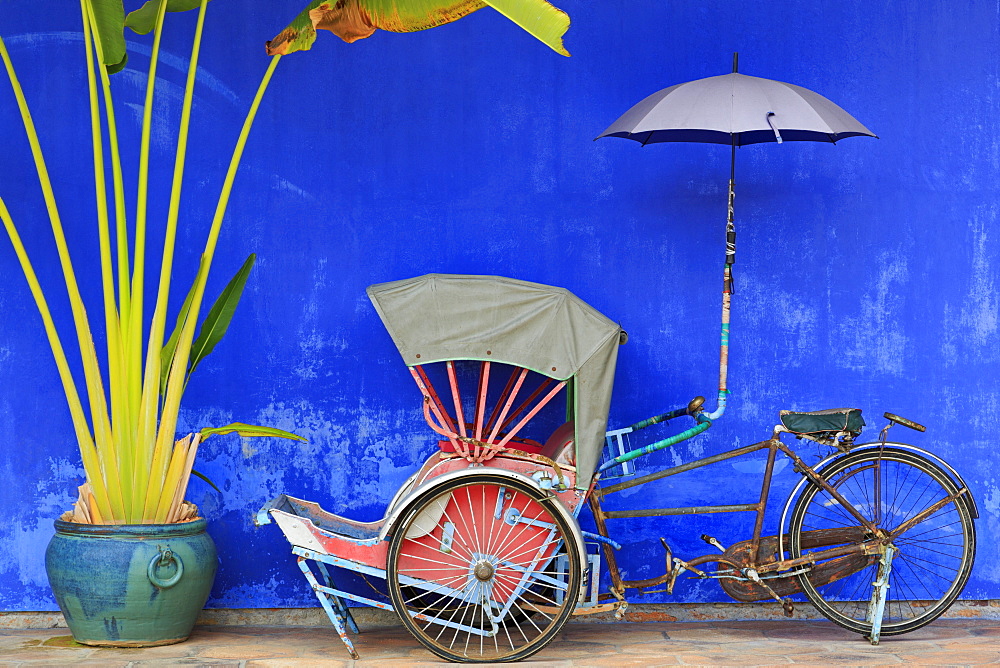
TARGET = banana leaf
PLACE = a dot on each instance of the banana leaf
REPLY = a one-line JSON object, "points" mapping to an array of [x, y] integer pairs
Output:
{"points": [[352, 20], [109, 17], [143, 20]]}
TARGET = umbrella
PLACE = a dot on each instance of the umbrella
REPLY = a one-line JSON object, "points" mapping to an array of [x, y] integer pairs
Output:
{"points": [[734, 109]]}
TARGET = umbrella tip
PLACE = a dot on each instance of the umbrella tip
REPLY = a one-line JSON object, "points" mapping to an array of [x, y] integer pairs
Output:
{"points": [[736, 61]]}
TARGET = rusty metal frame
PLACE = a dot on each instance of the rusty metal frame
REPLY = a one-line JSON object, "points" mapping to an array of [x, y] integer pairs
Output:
{"points": [[773, 446]]}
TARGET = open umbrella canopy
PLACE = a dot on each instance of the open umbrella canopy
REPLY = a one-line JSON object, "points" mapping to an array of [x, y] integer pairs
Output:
{"points": [[735, 109]]}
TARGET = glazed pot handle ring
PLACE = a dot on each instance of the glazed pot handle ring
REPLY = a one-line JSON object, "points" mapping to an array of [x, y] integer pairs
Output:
{"points": [[162, 559]]}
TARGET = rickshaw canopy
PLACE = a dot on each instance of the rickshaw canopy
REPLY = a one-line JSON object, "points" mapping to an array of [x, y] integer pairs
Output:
{"points": [[549, 330]]}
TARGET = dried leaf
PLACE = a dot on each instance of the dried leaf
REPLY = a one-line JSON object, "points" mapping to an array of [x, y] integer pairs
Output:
{"points": [[95, 514], [178, 500], [352, 20], [80, 509]]}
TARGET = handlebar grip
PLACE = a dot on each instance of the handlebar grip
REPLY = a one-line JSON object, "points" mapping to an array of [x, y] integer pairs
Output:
{"points": [[903, 421], [691, 409], [657, 419]]}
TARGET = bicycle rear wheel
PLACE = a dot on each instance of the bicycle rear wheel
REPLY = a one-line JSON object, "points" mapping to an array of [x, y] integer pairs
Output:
{"points": [[473, 573], [933, 559]]}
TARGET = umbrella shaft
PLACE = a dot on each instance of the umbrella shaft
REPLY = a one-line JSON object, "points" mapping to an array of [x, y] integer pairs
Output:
{"points": [[731, 214], [724, 339]]}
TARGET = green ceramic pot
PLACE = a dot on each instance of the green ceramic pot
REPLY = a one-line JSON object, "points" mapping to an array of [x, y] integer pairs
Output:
{"points": [[135, 585]]}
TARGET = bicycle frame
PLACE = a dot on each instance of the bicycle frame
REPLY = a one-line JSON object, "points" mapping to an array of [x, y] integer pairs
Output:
{"points": [[875, 540]]}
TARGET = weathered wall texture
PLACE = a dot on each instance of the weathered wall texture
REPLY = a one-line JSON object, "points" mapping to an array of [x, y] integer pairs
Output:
{"points": [[866, 275]]}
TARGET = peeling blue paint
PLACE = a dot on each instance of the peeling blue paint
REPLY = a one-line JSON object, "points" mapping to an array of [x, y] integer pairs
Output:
{"points": [[867, 272]]}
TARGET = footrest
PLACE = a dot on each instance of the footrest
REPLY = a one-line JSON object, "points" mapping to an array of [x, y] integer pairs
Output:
{"points": [[830, 421]]}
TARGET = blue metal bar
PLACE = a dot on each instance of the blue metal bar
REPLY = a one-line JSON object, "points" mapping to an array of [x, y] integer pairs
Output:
{"points": [[880, 592], [339, 604], [337, 561], [355, 597], [601, 539], [324, 594], [721, 408]]}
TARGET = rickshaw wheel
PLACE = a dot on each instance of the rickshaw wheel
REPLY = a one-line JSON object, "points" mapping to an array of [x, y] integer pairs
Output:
{"points": [[933, 558], [474, 570]]}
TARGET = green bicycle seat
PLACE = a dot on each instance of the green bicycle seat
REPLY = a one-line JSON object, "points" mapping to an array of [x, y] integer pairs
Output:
{"points": [[830, 421]]}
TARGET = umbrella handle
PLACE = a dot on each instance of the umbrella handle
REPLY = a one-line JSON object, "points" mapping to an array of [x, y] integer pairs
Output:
{"points": [[777, 135]]}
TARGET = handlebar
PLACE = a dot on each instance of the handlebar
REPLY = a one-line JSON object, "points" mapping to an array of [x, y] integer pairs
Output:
{"points": [[903, 421], [692, 409], [703, 423]]}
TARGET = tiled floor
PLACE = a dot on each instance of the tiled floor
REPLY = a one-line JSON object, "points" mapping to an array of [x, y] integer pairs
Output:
{"points": [[756, 643]]}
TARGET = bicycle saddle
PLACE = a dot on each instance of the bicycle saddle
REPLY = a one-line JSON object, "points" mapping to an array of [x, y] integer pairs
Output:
{"points": [[831, 421]]}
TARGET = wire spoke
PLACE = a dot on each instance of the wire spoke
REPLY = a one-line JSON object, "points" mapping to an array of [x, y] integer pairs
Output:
{"points": [[890, 486], [499, 580]]}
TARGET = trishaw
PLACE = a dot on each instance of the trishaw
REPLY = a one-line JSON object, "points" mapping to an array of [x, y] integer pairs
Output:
{"points": [[481, 552]]}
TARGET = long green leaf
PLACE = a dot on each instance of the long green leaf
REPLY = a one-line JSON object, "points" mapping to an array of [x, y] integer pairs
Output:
{"points": [[143, 20], [250, 430], [143, 410], [116, 449], [109, 17], [178, 375], [214, 327], [159, 492], [352, 20], [88, 353], [88, 451], [206, 479]]}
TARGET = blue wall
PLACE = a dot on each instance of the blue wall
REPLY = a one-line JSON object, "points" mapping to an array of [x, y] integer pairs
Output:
{"points": [[866, 272]]}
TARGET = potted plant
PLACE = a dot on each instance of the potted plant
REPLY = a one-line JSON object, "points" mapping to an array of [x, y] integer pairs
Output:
{"points": [[131, 563]]}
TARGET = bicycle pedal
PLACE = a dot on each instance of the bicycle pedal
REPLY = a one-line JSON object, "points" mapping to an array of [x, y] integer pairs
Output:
{"points": [[789, 607], [670, 553], [713, 542]]}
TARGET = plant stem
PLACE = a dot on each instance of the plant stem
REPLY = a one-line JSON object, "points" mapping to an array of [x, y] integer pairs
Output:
{"points": [[88, 452], [178, 369], [145, 435], [95, 390], [114, 448], [151, 384]]}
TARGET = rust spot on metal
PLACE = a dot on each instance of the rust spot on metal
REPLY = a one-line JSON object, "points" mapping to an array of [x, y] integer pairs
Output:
{"points": [[825, 573]]}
